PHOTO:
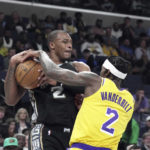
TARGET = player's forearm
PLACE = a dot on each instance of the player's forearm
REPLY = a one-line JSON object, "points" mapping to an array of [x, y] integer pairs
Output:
{"points": [[62, 75], [49, 67], [12, 92]]}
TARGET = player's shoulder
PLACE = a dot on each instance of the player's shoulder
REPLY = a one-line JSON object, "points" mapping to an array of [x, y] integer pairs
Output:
{"points": [[68, 65]]}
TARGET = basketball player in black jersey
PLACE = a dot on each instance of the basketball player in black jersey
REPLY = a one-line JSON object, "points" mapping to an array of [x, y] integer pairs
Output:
{"points": [[53, 102]]}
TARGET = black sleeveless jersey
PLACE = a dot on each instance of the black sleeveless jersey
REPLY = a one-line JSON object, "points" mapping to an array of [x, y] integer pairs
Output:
{"points": [[54, 105]]}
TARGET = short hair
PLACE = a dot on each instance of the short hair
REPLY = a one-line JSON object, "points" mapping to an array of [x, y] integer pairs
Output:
{"points": [[53, 35], [120, 63], [10, 120], [146, 134]]}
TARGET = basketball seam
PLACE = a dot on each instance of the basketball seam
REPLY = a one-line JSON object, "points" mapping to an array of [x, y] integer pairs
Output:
{"points": [[31, 83], [27, 72]]}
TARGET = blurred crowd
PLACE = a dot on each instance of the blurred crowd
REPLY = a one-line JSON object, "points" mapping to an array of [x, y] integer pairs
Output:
{"points": [[92, 44], [135, 7]]}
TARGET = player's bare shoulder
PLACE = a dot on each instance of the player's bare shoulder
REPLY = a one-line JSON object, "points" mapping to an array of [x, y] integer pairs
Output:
{"points": [[93, 82]]}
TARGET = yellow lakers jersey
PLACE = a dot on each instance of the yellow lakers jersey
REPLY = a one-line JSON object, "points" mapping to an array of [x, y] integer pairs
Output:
{"points": [[103, 116]]}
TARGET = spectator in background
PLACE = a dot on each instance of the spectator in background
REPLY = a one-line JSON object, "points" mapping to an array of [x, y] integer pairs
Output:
{"points": [[7, 39], [142, 56], [146, 128], [22, 119], [98, 29], [21, 141], [38, 43], [146, 141], [108, 36], [10, 143], [78, 39], [11, 52], [94, 47], [69, 26], [130, 136], [59, 26], [11, 125], [107, 5], [108, 48], [116, 31], [2, 23], [78, 19], [26, 132], [49, 22], [141, 104], [139, 29], [2, 114], [88, 58], [127, 29], [142, 52], [125, 50], [15, 22], [137, 7], [24, 38], [62, 17], [3, 50], [19, 46], [33, 23]]}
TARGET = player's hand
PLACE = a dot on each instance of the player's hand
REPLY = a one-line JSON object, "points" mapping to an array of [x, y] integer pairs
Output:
{"points": [[80, 66], [22, 56], [43, 80]]}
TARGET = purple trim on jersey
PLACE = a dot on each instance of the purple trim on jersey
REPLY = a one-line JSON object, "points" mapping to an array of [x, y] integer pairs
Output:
{"points": [[122, 89], [103, 81], [87, 147]]}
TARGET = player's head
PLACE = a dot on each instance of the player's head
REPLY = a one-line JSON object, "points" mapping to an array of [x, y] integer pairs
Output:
{"points": [[60, 44], [115, 68]]}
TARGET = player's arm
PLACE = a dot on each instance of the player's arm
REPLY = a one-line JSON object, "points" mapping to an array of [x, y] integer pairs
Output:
{"points": [[80, 66], [66, 76], [13, 92]]}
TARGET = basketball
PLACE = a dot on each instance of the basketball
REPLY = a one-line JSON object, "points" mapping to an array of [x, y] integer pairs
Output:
{"points": [[27, 74]]}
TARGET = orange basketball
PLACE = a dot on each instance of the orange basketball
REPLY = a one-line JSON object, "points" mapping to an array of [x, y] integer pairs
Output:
{"points": [[27, 74]]}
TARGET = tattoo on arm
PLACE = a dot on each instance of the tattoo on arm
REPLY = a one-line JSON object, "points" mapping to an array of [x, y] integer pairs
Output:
{"points": [[64, 75], [12, 92], [9, 78]]}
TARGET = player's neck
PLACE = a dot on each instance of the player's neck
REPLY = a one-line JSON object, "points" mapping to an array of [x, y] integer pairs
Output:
{"points": [[117, 83], [55, 59]]}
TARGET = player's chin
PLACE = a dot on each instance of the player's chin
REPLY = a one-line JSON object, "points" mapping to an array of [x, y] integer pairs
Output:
{"points": [[67, 55]]}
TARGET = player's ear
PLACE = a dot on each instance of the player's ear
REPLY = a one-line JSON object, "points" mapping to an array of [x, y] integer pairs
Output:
{"points": [[52, 45], [107, 73]]}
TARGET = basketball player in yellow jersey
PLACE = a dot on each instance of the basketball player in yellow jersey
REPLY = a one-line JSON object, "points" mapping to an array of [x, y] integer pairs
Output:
{"points": [[106, 108]]}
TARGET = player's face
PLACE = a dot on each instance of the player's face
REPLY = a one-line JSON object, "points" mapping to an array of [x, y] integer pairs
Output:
{"points": [[63, 46]]}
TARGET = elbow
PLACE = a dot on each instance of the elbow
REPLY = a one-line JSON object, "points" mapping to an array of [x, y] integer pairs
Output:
{"points": [[10, 102]]}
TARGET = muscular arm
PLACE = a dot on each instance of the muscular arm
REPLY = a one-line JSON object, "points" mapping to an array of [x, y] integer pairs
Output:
{"points": [[12, 92], [65, 76]]}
